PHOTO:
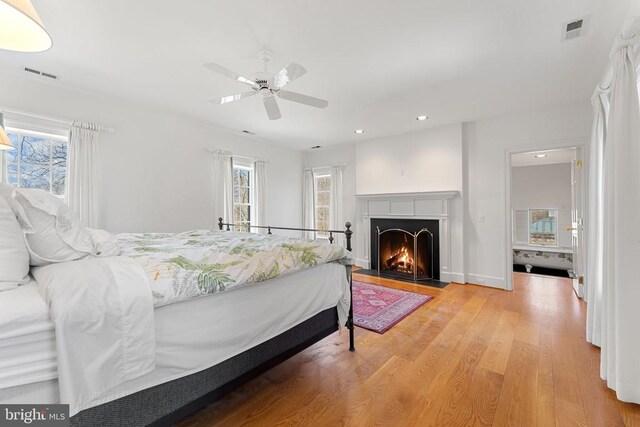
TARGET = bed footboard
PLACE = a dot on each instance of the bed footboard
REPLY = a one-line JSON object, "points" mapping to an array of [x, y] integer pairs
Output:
{"points": [[348, 233]]}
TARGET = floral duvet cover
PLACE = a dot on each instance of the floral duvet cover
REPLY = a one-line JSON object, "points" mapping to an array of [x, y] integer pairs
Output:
{"points": [[201, 262]]}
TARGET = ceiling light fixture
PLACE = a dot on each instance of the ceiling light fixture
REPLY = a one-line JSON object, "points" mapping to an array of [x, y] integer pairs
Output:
{"points": [[359, 131], [21, 29], [540, 156], [421, 118]]}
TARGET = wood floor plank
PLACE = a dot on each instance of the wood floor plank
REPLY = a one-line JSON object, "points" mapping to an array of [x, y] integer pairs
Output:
{"points": [[497, 355], [471, 356], [518, 400]]}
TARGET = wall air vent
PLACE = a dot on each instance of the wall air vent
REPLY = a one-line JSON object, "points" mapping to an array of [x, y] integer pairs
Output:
{"points": [[248, 132], [40, 73], [573, 29]]}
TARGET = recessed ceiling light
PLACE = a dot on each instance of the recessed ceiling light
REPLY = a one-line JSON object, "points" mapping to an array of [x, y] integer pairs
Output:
{"points": [[421, 118], [540, 156], [359, 131]]}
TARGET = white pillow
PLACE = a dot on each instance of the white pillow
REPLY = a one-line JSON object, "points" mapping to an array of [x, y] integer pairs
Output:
{"points": [[14, 257], [52, 231]]}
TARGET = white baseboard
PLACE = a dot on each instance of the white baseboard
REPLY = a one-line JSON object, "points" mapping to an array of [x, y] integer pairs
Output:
{"points": [[456, 277], [490, 281], [363, 263]]}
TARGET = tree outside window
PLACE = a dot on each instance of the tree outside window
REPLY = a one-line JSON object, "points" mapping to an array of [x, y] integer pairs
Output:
{"points": [[242, 197], [322, 204], [37, 162]]}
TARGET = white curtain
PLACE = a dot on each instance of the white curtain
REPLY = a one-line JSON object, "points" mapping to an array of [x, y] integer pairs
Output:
{"points": [[82, 190], [595, 238], [308, 204], [336, 203], [223, 186], [4, 166], [613, 290], [260, 193]]}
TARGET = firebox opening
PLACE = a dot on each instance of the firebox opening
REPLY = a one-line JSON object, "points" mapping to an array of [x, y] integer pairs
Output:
{"points": [[405, 249]]}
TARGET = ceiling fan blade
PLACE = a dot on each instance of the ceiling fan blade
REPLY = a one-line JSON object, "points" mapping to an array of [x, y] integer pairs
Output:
{"points": [[288, 74], [303, 99], [232, 98], [271, 105], [226, 72]]}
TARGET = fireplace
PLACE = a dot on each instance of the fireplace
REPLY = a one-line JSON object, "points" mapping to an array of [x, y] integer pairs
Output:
{"points": [[406, 249]]}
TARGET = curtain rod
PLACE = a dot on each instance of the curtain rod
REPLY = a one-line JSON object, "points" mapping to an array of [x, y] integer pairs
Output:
{"points": [[216, 150], [51, 119], [630, 31]]}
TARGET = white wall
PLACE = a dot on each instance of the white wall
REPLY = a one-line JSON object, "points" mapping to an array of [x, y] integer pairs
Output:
{"points": [[430, 160], [155, 172], [542, 186], [486, 143]]}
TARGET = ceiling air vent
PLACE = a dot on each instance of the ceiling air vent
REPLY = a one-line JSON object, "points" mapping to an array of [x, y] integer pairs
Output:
{"points": [[573, 29], [40, 73]]}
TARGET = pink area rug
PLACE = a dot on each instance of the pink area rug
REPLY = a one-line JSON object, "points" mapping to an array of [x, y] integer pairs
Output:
{"points": [[378, 308]]}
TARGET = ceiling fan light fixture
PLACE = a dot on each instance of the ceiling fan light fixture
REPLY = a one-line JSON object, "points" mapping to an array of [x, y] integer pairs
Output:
{"points": [[422, 117], [21, 29], [359, 131]]}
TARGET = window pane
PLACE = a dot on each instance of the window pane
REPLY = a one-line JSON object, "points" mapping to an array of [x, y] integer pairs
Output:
{"points": [[323, 198], [543, 226], [58, 167], [323, 183]]}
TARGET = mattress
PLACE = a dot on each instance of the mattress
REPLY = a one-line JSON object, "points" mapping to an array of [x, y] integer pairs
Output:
{"points": [[27, 338], [196, 334]]}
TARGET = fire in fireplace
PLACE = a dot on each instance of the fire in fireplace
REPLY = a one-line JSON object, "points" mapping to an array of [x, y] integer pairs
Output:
{"points": [[401, 251], [406, 249]]}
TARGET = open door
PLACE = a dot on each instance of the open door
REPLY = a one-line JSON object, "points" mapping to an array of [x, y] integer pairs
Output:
{"points": [[577, 224]]}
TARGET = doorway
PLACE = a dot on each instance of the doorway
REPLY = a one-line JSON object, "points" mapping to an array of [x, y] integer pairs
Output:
{"points": [[545, 207]]}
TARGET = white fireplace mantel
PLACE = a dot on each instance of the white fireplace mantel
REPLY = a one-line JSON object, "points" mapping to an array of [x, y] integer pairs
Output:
{"points": [[421, 205], [428, 195]]}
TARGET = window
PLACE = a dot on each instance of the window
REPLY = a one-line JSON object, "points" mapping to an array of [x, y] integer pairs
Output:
{"points": [[38, 161], [242, 197], [543, 227], [322, 204]]}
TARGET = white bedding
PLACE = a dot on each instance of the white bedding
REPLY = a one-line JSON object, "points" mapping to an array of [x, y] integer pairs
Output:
{"points": [[103, 314], [196, 334], [27, 338]]}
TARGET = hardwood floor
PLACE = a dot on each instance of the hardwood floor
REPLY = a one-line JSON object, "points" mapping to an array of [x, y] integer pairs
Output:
{"points": [[471, 356]]}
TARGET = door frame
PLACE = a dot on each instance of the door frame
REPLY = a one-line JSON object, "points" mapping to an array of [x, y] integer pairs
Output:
{"points": [[560, 144]]}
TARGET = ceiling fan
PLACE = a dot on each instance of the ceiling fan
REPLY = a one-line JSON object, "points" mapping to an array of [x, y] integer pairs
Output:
{"points": [[269, 86]]}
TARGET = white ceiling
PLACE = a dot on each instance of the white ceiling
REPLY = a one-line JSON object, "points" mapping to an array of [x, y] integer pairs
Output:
{"points": [[552, 157], [378, 62]]}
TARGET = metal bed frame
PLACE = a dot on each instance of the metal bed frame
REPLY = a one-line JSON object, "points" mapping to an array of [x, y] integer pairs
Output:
{"points": [[347, 234]]}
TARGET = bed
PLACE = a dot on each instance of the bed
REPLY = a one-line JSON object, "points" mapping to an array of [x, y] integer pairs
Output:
{"points": [[201, 345]]}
